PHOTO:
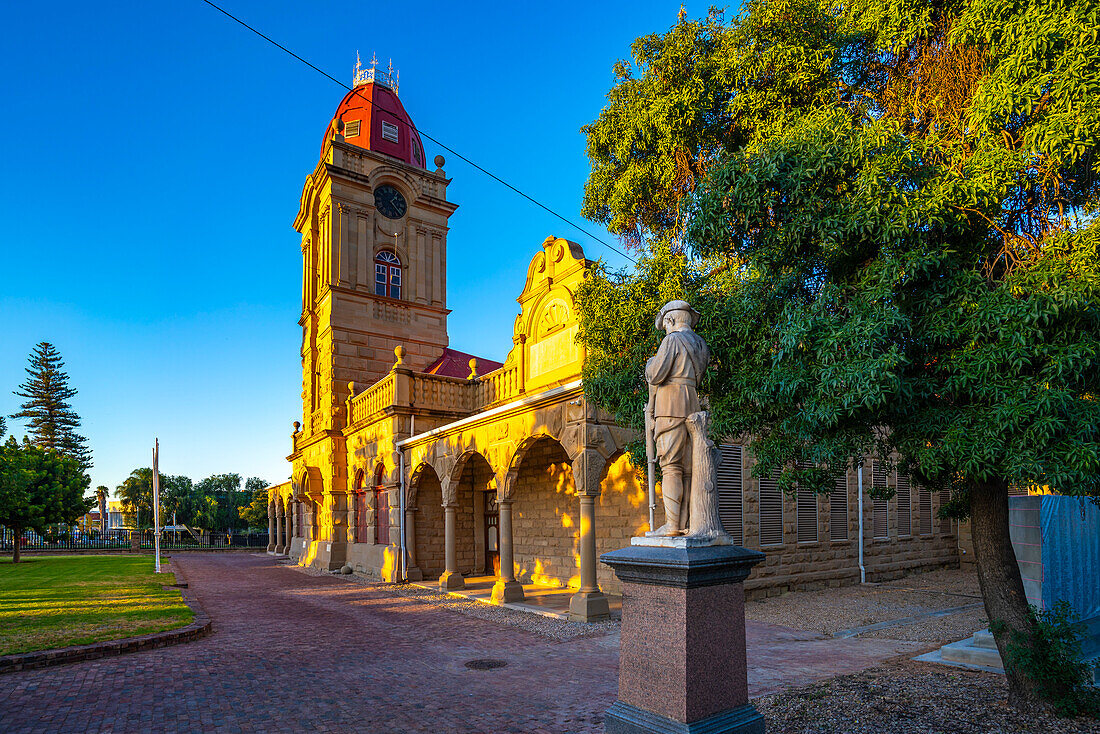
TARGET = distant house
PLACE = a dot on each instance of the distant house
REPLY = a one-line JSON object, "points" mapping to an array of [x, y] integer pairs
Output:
{"points": [[116, 519]]}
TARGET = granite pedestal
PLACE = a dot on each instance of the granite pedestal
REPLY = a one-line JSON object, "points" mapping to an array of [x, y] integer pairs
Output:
{"points": [[682, 662]]}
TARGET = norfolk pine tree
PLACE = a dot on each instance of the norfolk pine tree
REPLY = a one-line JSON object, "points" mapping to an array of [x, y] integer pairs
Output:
{"points": [[51, 421], [894, 255]]}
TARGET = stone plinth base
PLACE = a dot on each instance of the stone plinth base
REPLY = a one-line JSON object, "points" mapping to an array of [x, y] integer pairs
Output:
{"points": [[507, 591], [451, 580], [623, 718], [682, 661], [589, 606], [681, 541]]}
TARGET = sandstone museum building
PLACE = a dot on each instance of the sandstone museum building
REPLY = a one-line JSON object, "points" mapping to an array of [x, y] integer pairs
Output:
{"points": [[414, 460]]}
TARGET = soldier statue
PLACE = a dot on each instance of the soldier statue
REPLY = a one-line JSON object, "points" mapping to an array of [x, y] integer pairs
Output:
{"points": [[673, 375]]}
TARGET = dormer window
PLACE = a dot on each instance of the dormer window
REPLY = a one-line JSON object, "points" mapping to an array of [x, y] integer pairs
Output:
{"points": [[351, 129], [387, 274], [389, 132]]}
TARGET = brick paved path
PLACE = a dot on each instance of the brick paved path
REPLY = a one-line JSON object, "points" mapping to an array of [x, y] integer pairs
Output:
{"points": [[293, 652]]}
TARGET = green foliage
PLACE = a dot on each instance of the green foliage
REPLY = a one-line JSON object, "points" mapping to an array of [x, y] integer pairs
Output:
{"points": [[254, 514], [50, 418], [888, 225], [225, 488], [863, 263], [215, 502], [39, 487], [1051, 654], [687, 96], [136, 493]]}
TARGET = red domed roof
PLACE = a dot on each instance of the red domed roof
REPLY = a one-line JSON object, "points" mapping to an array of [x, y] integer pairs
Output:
{"points": [[383, 125]]}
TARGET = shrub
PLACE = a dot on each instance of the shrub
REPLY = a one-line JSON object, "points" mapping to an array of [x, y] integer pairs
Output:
{"points": [[1051, 655]]}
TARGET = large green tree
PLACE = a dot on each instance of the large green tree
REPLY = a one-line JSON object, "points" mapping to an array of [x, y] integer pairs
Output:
{"points": [[254, 514], [136, 494], [898, 257], [39, 487], [225, 489], [51, 421]]}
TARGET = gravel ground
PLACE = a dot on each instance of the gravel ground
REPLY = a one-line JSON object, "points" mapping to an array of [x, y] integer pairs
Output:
{"points": [[935, 629], [831, 611], [548, 627], [906, 697]]}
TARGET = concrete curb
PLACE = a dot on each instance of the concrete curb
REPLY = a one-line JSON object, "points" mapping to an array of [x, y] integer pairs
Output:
{"points": [[200, 627]]}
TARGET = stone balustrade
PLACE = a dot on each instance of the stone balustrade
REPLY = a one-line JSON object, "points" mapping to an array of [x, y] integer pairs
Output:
{"points": [[438, 392], [404, 388], [374, 399], [499, 386]]}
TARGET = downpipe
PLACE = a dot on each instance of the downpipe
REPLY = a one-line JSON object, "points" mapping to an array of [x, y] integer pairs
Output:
{"points": [[859, 495], [401, 518]]}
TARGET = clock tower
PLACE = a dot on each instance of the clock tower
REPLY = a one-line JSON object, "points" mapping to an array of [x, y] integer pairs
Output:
{"points": [[374, 224]]}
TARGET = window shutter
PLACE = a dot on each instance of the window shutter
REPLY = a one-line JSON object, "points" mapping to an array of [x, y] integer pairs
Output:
{"points": [[881, 516], [838, 509], [905, 506], [924, 500], [351, 129], [806, 514], [730, 492], [771, 511], [389, 132]]}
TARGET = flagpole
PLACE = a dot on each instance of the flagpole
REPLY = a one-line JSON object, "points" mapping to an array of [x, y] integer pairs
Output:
{"points": [[156, 504]]}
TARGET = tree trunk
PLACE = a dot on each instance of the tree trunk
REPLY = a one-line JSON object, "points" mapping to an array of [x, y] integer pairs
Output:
{"points": [[16, 543], [1001, 584]]}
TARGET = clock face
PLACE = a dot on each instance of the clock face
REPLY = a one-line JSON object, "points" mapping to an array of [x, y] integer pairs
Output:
{"points": [[389, 202]]}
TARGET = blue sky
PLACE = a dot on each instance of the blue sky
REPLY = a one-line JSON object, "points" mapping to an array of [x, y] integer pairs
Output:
{"points": [[152, 161]]}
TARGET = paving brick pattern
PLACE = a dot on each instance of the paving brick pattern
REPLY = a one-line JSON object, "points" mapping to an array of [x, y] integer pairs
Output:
{"points": [[292, 652], [295, 652]]}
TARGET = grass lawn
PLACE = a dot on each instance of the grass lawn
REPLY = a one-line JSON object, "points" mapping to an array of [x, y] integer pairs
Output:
{"points": [[56, 601]]}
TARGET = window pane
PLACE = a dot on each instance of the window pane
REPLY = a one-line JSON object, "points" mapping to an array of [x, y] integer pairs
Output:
{"points": [[395, 275], [395, 291]]}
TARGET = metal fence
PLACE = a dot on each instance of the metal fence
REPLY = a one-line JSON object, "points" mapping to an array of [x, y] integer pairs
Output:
{"points": [[68, 539]]}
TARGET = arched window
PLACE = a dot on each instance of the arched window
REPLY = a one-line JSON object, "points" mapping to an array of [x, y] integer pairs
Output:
{"points": [[381, 509], [361, 533], [387, 274]]}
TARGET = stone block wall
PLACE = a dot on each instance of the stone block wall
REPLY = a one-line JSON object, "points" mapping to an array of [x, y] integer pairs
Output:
{"points": [[824, 563], [622, 512], [429, 537], [545, 518]]}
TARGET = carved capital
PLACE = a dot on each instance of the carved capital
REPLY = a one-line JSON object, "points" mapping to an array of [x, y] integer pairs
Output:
{"points": [[588, 469], [449, 491]]}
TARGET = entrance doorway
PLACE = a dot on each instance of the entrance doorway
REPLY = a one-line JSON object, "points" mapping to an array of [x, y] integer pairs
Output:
{"points": [[492, 534]]}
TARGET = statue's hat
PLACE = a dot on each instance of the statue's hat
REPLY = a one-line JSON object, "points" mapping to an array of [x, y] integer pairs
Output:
{"points": [[677, 306]]}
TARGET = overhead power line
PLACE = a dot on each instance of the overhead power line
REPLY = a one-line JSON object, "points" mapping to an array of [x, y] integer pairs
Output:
{"points": [[445, 147]]}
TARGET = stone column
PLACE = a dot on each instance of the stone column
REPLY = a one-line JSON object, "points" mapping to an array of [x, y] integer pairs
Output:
{"points": [[506, 589], [451, 578], [414, 572], [589, 604], [280, 536], [270, 527], [682, 663]]}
